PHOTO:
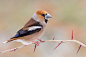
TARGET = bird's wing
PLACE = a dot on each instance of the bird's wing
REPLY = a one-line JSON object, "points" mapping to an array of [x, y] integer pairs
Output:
{"points": [[28, 29]]}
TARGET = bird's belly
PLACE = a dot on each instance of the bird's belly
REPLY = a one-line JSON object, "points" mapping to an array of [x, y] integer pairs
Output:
{"points": [[23, 42]]}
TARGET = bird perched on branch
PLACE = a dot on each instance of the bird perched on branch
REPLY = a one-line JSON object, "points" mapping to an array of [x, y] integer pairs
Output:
{"points": [[33, 29]]}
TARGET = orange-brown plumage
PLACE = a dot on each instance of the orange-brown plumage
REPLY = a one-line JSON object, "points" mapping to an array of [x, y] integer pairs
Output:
{"points": [[39, 14], [33, 29]]}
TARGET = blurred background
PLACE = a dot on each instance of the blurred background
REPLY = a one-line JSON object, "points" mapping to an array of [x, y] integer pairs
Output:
{"points": [[67, 15]]}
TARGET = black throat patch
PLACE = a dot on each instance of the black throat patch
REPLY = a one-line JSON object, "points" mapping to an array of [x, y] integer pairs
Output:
{"points": [[46, 20]]}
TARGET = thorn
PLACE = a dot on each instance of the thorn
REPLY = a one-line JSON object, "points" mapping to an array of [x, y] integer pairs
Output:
{"points": [[34, 48], [72, 35], [58, 45], [53, 37], [79, 48]]}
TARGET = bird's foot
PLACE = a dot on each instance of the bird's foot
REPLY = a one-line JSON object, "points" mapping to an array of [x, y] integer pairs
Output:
{"points": [[36, 42], [41, 40]]}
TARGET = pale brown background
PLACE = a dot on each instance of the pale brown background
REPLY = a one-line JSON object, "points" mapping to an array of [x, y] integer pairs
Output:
{"points": [[67, 15]]}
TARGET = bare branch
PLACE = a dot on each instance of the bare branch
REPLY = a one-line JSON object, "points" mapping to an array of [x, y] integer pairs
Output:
{"points": [[10, 50], [37, 43], [76, 41]]}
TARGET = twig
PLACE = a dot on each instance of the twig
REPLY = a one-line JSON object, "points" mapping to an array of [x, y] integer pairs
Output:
{"points": [[10, 50], [76, 41]]}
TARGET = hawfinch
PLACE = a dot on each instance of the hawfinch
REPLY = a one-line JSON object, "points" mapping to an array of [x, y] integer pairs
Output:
{"points": [[33, 29]]}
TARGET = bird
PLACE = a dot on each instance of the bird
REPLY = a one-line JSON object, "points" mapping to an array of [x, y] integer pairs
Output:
{"points": [[33, 29]]}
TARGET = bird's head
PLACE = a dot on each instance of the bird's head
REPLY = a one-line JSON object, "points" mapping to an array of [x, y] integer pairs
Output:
{"points": [[42, 16]]}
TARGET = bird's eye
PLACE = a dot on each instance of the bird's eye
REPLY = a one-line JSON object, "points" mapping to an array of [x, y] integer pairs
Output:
{"points": [[42, 15]]}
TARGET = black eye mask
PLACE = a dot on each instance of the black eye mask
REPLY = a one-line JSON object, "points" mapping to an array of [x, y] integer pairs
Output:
{"points": [[42, 15]]}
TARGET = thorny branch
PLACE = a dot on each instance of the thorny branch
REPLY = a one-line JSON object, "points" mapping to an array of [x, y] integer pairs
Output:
{"points": [[10, 50], [40, 41]]}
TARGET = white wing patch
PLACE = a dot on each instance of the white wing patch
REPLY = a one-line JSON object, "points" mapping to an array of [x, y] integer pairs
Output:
{"points": [[34, 27]]}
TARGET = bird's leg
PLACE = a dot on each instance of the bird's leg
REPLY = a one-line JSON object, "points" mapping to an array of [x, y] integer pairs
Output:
{"points": [[41, 40], [36, 43]]}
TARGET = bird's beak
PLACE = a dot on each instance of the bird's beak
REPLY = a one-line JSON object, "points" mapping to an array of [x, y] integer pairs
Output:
{"points": [[48, 16]]}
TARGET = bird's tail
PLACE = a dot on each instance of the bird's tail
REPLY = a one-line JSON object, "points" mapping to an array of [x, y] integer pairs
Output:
{"points": [[12, 39]]}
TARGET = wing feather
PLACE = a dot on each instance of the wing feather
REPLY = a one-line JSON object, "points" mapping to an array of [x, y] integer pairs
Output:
{"points": [[29, 28], [23, 33]]}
